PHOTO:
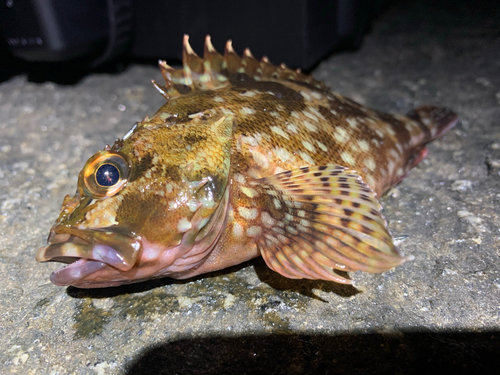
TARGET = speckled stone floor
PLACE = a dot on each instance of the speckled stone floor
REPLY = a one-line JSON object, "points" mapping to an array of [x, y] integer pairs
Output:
{"points": [[440, 311]]}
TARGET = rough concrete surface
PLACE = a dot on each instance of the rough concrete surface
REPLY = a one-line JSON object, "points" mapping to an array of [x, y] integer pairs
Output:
{"points": [[440, 311]]}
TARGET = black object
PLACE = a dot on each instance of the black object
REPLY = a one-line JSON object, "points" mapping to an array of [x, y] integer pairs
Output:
{"points": [[92, 32]]}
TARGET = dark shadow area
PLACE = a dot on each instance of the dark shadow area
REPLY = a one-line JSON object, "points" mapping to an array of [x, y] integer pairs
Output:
{"points": [[60, 73], [264, 273], [70, 73], [475, 17], [401, 353], [146, 285], [307, 32], [302, 286], [66, 73], [9, 65]]}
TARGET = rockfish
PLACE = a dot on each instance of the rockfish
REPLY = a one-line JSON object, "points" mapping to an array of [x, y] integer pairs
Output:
{"points": [[244, 159]]}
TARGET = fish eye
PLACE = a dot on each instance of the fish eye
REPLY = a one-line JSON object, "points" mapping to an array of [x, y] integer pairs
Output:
{"points": [[105, 174]]}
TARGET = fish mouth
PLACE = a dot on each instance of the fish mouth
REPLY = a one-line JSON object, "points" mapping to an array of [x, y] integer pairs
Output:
{"points": [[86, 251]]}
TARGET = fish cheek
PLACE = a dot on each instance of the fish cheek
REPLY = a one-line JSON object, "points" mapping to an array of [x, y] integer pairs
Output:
{"points": [[146, 214]]}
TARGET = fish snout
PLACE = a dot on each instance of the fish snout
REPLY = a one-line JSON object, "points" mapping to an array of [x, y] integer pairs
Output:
{"points": [[87, 251]]}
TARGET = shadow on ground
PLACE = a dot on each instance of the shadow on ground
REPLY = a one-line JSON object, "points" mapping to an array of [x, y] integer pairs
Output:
{"points": [[264, 273], [402, 353]]}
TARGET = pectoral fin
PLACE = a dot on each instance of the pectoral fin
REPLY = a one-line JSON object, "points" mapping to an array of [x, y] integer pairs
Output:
{"points": [[315, 219]]}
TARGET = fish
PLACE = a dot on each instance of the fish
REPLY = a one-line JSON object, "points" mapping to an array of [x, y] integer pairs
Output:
{"points": [[244, 159]]}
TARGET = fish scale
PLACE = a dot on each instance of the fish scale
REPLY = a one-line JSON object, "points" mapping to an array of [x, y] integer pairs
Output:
{"points": [[244, 159]]}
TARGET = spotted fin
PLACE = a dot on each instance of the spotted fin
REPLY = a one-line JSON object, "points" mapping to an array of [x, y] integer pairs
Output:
{"points": [[215, 70], [323, 217]]}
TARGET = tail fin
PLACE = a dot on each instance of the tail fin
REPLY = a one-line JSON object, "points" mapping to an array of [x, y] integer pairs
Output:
{"points": [[437, 120]]}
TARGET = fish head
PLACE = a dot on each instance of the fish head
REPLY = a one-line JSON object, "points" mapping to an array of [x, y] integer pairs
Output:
{"points": [[151, 205]]}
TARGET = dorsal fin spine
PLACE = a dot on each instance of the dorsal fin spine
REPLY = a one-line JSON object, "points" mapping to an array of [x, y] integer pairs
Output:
{"points": [[214, 70]]}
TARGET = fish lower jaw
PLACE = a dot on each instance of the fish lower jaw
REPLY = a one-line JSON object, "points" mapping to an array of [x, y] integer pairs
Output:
{"points": [[75, 271]]}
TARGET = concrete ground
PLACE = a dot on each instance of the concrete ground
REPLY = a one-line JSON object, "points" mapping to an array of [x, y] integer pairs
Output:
{"points": [[440, 311]]}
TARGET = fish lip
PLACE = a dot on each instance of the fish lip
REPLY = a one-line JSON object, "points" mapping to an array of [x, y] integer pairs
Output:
{"points": [[58, 238], [76, 271], [77, 267]]}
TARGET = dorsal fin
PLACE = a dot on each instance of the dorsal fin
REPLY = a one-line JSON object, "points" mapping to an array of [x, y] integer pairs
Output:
{"points": [[215, 70]]}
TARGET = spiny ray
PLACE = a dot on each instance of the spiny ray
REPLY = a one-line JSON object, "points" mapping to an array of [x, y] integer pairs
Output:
{"points": [[215, 70]]}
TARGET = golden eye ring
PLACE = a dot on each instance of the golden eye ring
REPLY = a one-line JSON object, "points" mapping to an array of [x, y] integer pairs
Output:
{"points": [[105, 174]]}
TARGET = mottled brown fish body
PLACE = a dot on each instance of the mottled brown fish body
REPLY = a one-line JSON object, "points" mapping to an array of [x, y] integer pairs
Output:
{"points": [[244, 159], [284, 125]]}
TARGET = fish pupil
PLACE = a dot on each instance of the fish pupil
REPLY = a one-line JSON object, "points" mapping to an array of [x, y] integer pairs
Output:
{"points": [[107, 175]]}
